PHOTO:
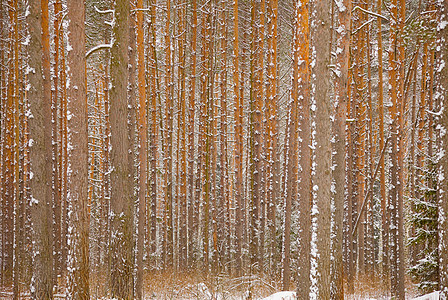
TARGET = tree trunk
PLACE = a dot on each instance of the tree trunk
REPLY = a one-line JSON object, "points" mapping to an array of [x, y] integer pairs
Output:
{"points": [[142, 151], [154, 93], [192, 199], [238, 145], [322, 182], [40, 150], [121, 244], [384, 219], [443, 163], [79, 206], [339, 173]]}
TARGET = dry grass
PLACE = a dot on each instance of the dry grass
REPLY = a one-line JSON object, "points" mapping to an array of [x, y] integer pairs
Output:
{"points": [[372, 287], [196, 285]]}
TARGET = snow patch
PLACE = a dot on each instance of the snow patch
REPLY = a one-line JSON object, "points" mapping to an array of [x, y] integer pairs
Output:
{"points": [[282, 296], [432, 296]]}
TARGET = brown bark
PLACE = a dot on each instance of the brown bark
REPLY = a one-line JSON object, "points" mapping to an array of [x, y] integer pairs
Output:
{"points": [[168, 162], [223, 193], [79, 206], [64, 160], [8, 160], [384, 219], [298, 94], [193, 200], [121, 202], [273, 149], [182, 45], [40, 133], [339, 159], [56, 145], [255, 141], [322, 180], [16, 160], [142, 134], [443, 164], [153, 86], [238, 145], [304, 187], [396, 80]]}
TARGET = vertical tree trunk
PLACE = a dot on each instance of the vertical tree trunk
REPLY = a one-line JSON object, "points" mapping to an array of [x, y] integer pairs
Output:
{"points": [[2, 135], [401, 102], [8, 163], [57, 142], [182, 136], [16, 160], [443, 163], [304, 187], [238, 145], [154, 126], [339, 173], [255, 142], [223, 193], [299, 90], [396, 81], [169, 138], [192, 199], [142, 152], [79, 206], [370, 223], [273, 156], [40, 150], [359, 93], [384, 219], [322, 183], [64, 161], [121, 244]]}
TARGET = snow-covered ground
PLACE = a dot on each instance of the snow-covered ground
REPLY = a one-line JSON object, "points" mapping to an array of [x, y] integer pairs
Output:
{"points": [[432, 296], [282, 296], [291, 296]]}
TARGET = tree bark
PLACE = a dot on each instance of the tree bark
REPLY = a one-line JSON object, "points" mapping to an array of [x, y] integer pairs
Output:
{"points": [[443, 164], [121, 218], [238, 145], [339, 174], [322, 182], [79, 206], [40, 150], [142, 152]]}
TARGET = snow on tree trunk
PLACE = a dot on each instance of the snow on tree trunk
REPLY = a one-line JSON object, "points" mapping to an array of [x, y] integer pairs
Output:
{"points": [[121, 202], [320, 32], [442, 97], [339, 174], [78, 204], [40, 149]]}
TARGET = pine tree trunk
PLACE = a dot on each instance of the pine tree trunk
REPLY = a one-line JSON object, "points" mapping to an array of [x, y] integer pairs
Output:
{"points": [[16, 161], [192, 199], [142, 151], [238, 145], [182, 136], [322, 183], [168, 162], [339, 162], [384, 219], [443, 163], [79, 206], [57, 142], [122, 204], [154, 126], [273, 153], [40, 150]]}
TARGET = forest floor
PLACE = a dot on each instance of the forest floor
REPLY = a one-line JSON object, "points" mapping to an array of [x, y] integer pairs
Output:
{"points": [[223, 287], [169, 285]]}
